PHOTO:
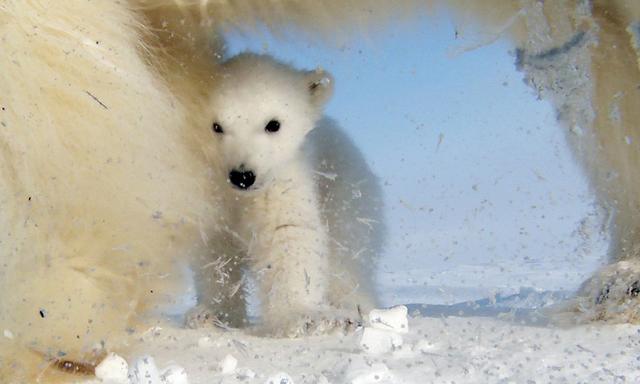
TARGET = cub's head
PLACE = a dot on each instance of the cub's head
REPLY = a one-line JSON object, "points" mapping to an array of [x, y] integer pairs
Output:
{"points": [[261, 111]]}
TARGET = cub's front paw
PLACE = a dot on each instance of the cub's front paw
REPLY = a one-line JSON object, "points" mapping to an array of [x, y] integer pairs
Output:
{"points": [[610, 295], [312, 323]]}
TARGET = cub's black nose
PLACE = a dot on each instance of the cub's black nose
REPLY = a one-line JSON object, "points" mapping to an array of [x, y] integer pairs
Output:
{"points": [[242, 179]]}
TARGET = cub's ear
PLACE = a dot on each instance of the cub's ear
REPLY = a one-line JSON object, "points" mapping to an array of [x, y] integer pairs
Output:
{"points": [[320, 86]]}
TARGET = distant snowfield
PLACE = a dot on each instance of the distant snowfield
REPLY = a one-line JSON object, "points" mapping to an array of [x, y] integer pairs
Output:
{"points": [[497, 340]]}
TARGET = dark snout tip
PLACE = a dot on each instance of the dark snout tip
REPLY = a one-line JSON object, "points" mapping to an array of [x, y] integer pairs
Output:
{"points": [[241, 178]]}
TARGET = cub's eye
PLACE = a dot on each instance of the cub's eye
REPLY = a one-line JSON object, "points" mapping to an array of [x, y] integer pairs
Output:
{"points": [[217, 128], [272, 126]]}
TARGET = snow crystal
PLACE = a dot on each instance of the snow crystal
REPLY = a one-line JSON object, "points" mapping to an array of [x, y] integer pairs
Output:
{"points": [[245, 373], [393, 319], [228, 365], [378, 341], [113, 369], [384, 334], [144, 371], [174, 374], [279, 378]]}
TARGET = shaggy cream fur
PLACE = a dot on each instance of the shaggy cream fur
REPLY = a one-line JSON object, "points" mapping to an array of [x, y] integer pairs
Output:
{"points": [[306, 212], [107, 177], [583, 55]]}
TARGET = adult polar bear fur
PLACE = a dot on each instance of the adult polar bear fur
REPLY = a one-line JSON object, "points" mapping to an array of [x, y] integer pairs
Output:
{"points": [[584, 57], [307, 212], [108, 169]]}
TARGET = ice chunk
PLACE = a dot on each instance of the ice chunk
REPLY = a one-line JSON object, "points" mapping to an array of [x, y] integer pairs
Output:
{"points": [[279, 378], [228, 365], [377, 341], [144, 371], [392, 319], [245, 373], [113, 369], [174, 374]]}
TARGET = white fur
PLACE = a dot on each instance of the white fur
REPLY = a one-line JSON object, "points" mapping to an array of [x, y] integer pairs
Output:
{"points": [[107, 175], [92, 223], [311, 225]]}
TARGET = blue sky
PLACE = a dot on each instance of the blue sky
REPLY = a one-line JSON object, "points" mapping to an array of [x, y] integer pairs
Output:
{"points": [[481, 189]]}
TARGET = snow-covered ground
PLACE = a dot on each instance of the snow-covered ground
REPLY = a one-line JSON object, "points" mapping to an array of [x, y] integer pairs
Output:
{"points": [[497, 340], [437, 349]]}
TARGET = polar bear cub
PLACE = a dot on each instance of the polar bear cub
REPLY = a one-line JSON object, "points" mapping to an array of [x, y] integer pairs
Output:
{"points": [[304, 211]]}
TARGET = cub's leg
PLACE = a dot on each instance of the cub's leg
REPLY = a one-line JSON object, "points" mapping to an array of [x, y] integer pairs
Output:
{"points": [[289, 257], [351, 203]]}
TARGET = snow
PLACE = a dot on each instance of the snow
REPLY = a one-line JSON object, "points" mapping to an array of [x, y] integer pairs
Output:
{"points": [[497, 340], [393, 319], [145, 371], [228, 365], [377, 341], [365, 373], [174, 374], [8, 334], [279, 378], [385, 329], [113, 369]]}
